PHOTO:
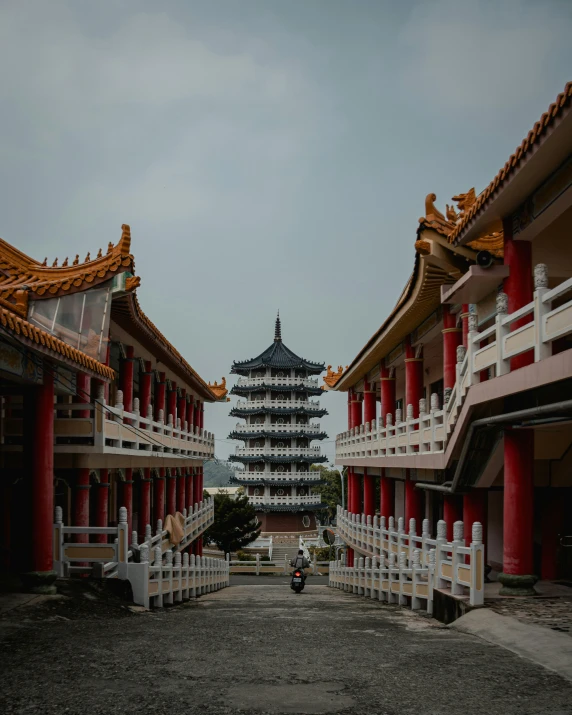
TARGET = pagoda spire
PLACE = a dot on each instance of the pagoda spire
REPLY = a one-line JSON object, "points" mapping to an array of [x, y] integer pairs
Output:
{"points": [[278, 330]]}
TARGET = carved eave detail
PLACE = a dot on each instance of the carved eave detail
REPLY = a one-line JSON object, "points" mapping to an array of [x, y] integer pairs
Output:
{"points": [[219, 391]]}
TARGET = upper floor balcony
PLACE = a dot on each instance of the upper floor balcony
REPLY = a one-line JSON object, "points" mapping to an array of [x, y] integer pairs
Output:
{"points": [[549, 317], [312, 428], [285, 500], [277, 451], [279, 381], [310, 405], [245, 476]]}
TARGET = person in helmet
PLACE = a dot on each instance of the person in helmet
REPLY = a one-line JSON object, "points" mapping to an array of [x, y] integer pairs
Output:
{"points": [[300, 562]]}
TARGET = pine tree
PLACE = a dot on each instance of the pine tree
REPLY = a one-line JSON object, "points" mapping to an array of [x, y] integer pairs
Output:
{"points": [[234, 523]]}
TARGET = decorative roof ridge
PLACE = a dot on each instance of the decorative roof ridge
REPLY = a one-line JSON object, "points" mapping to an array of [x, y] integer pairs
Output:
{"points": [[554, 111], [22, 328]]}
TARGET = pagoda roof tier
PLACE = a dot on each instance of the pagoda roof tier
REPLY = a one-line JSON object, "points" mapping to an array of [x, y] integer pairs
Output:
{"points": [[276, 482], [249, 389], [290, 507], [276, 459], [278, 356], [277, 435], [240, 412]]}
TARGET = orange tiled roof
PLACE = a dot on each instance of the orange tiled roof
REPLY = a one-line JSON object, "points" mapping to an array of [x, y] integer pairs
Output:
{"points": [[219, 391], [533, 137], [332, 376], [21, 328]]}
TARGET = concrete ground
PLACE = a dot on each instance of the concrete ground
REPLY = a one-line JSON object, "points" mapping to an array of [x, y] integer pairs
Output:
{"points": [[261, 649]]}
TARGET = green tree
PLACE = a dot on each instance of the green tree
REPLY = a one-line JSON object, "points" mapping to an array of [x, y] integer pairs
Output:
{"points": [[331, 490], [234, 523]]}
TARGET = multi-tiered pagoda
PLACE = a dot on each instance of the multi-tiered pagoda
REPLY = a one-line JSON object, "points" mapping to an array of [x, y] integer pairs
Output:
{"points": [[278, 433]]}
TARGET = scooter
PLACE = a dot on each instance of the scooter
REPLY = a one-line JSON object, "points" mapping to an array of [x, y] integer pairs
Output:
{"points": [[298, 581]]}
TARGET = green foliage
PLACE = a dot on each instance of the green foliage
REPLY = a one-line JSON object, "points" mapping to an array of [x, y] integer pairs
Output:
{"points": [[331, 491], [234, 523], [243, 556], [320, 553], [216, 474]]}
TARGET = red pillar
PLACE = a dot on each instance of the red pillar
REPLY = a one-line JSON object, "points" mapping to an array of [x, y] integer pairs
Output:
{"points": [[171, 492], [182, 408], [102, 504], [42, 577], [368, 402], [83, 393], [551, 525], [475, 508], [189, 489], [181, 491], [368, 494], [191, 413], [413, 379], [127, 498], [518, 286], [127, 378], [387, 496], [159, 498], [412, 502], [145, 389], [81, 503], [452, 512], [145, 501], [160, 399], [465, 323], [357, 418], [387, 394], [172, 403], [517, 577], [452, 338], [357, 496]]}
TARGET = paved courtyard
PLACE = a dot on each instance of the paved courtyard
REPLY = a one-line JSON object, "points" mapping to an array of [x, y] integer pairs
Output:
{"points": [[259, 648]]}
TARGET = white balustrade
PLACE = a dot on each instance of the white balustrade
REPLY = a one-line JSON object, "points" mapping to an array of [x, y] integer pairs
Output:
{"points": [[287, 500], [430, 432], [244, 475], [311, 428], [278, 451], [280, 381], [309, 405], [457, 566]]}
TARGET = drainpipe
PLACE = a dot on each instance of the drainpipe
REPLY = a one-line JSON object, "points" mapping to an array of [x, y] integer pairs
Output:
{"points": [[509, 418]]}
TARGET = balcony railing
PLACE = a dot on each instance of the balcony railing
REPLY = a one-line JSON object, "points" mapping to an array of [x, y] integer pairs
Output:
{"points": [[311, 476], [430, 432], [287, 500], [277, 404], [281, 381], [312, 428], [278, 451]]}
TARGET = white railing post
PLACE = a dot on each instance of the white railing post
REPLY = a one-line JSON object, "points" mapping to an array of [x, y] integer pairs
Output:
{"points": [[441, 540], [472, 322], [502, 365], [123, 543], [456, 558], [542, 350], [477, 590]]}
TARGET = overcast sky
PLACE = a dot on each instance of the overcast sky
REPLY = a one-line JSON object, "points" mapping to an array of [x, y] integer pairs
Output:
{"points": [[266, 153]]}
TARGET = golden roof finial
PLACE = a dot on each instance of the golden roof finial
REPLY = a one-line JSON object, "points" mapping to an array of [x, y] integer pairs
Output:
{"points": [[109, 247], [55, 263], [125, 242], [88, 258], [431, 211], [219, 391], [64, 264], [465, 201], [100, 253], [76, 259], [331, 377], [45, 263]]}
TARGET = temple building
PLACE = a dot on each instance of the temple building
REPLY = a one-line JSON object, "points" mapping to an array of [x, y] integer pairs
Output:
{"points": [[98, 410], [278, 434], [460, 404]]}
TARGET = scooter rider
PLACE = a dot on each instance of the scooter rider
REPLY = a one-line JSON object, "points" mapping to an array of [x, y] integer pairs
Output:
{"points": [[300, 562]]}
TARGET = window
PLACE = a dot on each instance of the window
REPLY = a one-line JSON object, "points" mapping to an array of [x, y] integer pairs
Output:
{"points": [[256, 492], [306, 521], [280, 492], [280, 445], [280, 468], [280, 421], [257, 468], [301, 492]]}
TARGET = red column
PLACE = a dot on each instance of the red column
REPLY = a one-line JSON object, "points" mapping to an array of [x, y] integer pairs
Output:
{"points": [[465, 323], [160, 399], [145, 389], [518, 286], [181, 491], [189, 489], [368, 494], [387, 395], [517, 577], [201, 484], [356, 410], [413, 379], [127, 378], [412, 502], [475, 505], [42, 576], [127, 498], [452, 512], [172, 402], [452, 338], [357, 496], [159, 498], [182, 408], [102, 504], [368, 402], [171, 492], [83, 393], [191, 413], [145, 501], [551, 525], [387, 496], [81, 503]]}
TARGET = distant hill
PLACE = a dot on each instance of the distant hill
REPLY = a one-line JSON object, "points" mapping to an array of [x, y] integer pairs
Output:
{"points": [[217, 474]]}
